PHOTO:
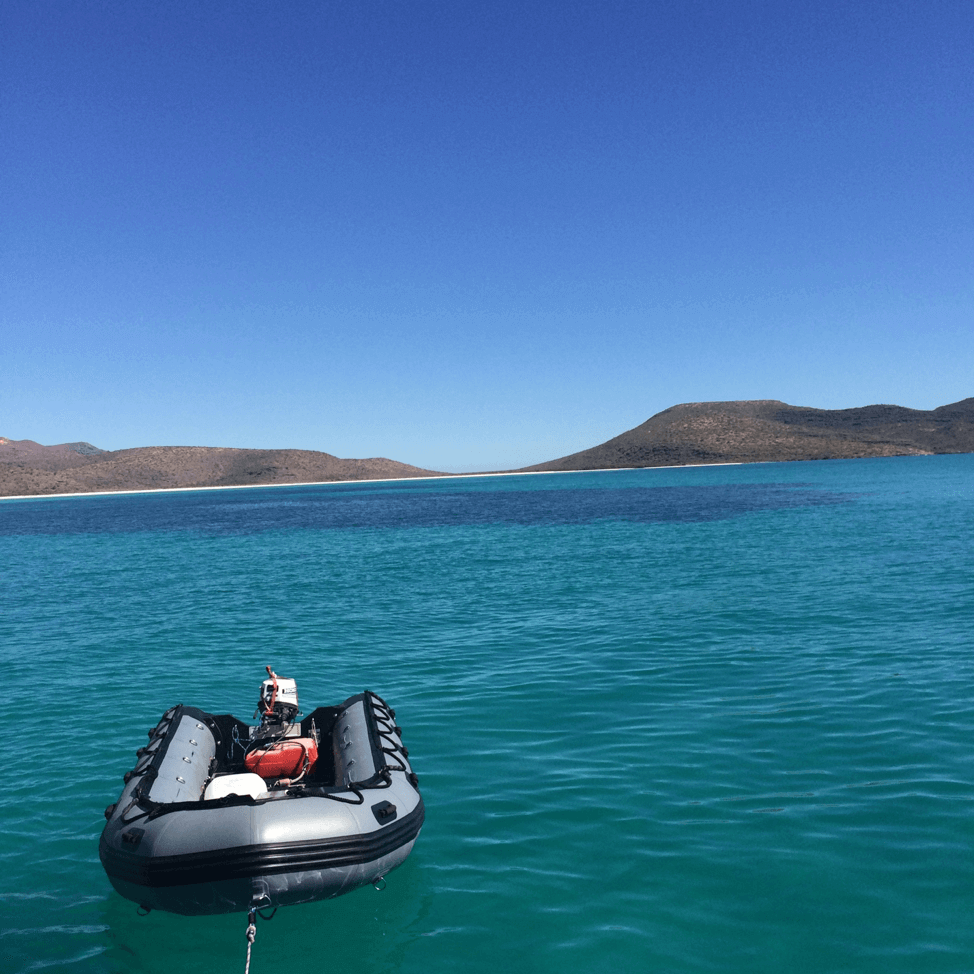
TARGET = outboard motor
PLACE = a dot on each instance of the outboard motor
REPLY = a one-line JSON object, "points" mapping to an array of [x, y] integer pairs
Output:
{"points": [[275, 754], [278, 703]]}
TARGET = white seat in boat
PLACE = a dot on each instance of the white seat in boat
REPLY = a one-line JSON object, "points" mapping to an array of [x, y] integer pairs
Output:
{"points": [[236, 784]]}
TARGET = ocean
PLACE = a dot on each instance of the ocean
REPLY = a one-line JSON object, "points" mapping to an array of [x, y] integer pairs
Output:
{"points": [[678, 720]]}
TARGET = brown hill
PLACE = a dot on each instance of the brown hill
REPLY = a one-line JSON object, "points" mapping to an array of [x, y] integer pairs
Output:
{"points": [[768, 430], [708, 432], [29, 468]]}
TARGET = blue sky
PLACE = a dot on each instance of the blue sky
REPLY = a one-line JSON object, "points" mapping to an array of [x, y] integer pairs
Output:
{"points": [[476, 236]]}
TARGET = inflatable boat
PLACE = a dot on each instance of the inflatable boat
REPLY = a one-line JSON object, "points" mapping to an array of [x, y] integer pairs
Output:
{"points": [[218, 816]]}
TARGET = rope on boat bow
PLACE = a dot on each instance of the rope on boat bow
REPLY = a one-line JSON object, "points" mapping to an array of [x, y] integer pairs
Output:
{"points": [[257, 908], [251, 934]]}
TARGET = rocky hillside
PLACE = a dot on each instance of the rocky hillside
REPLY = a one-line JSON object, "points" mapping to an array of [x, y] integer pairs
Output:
{"points": [[700, 432], [29, 468], [769, 430]]}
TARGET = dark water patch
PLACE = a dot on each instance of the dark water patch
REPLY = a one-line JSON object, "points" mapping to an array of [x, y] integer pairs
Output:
{"points": [[341, 508]]}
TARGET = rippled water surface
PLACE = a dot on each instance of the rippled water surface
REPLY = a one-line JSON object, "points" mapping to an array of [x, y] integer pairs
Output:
{"points": [[710, 719]]}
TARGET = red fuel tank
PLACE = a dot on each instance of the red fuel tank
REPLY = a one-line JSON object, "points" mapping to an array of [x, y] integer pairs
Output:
{"points": [[283, 759]]}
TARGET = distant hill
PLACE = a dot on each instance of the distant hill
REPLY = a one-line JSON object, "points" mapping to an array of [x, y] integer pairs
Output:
{"points": [[768, 430], [30, 448], [27, 467], [698, 432]]}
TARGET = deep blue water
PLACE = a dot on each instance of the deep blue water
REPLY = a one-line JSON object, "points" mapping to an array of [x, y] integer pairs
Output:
{"points": [[705, 719]]}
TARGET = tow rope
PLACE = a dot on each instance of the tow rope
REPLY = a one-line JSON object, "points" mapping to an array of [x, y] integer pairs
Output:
{"points": [[252, 914], [251, 934]]}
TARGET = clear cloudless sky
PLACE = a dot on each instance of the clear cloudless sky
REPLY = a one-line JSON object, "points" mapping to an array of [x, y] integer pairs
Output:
{"points": [[476, 235]]}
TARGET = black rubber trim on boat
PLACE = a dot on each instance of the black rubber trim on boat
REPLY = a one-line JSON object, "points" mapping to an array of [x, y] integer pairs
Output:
{"points": [[260, 860]]}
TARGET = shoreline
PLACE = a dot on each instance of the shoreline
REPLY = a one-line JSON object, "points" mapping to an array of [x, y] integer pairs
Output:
{"points": [[445, 476], [377, 480]]}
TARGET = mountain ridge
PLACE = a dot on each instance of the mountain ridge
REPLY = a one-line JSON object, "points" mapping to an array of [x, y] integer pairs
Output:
{"points": [[27, 468], [734, 431], [768, 430]]}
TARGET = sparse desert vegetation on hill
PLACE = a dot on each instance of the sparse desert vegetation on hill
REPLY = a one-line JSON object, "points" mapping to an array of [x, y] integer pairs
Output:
{"points": [[769, 430], [29, 468], [702, 432]]}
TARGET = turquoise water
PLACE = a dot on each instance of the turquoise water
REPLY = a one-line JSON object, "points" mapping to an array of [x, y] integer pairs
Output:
{"points": [[706, 719]]}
